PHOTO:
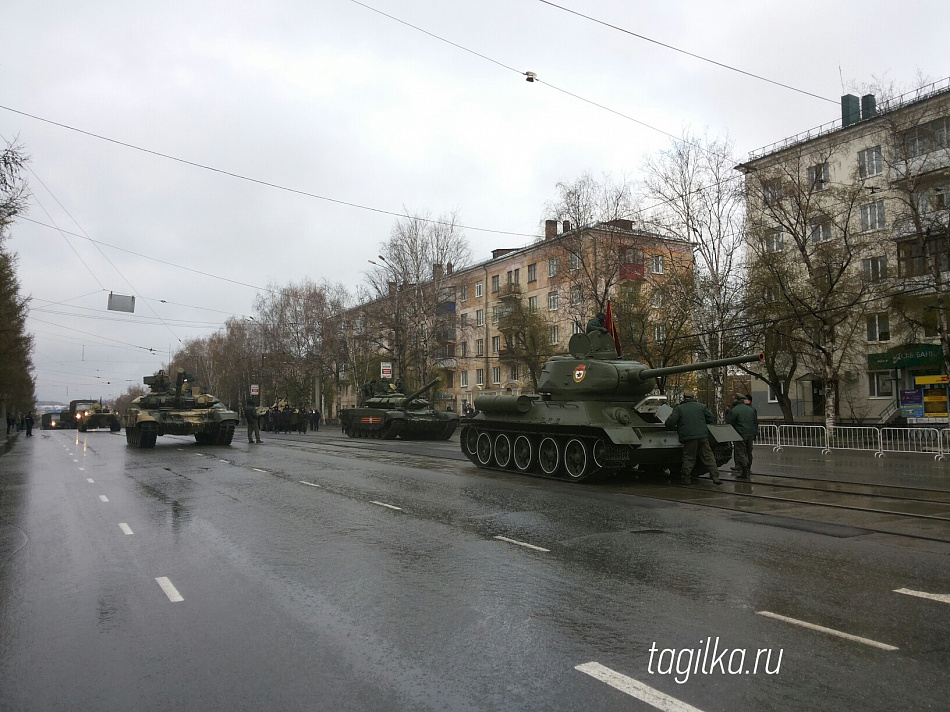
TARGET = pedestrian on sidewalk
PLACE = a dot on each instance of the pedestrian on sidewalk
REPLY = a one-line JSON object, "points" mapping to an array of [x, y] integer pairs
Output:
{"points": [[690, 419], [28, 422], [744, 418], [253, 421]]}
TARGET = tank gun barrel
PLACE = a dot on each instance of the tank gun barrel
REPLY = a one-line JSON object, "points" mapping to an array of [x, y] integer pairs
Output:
{"points": [[422, 390], [698, 366]]}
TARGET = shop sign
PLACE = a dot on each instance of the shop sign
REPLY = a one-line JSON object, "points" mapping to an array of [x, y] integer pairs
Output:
{"points": [[906, 357], [912, 403], [931, 380]]}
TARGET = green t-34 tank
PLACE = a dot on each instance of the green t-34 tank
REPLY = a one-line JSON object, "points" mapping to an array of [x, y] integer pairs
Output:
{"points": [[177, 410], [593, 415], [392, 415]]}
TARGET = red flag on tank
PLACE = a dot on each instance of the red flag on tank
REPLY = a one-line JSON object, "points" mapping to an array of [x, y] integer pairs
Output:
{"points": [[611, 327]]}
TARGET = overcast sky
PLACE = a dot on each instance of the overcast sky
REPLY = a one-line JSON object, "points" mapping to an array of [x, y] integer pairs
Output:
{"points": [[334, 99]]}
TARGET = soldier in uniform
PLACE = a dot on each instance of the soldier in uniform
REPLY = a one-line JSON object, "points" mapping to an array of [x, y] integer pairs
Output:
{"points": [[598, 324], [743, 417], [253, 422], [690, 419]]}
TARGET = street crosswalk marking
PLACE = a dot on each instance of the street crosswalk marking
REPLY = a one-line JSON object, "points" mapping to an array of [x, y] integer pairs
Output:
{"points": [[169, 589], [126, 529], [103, 498]]}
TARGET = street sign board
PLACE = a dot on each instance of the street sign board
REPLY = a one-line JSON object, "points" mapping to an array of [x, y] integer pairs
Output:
{"points": [[931, 380], [386, 369], [255, 389]]}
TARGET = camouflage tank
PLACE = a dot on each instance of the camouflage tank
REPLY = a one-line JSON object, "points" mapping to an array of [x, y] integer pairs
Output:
{"points": [[97, 416], [394, 415], [593, 415], [175, 410]]}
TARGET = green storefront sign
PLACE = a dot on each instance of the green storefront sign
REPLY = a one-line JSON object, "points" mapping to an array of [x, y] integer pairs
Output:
{"points": [[906, 356]]}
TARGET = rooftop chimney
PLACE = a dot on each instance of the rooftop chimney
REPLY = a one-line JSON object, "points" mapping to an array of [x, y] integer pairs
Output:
{"points": [[550, 229], [566, 226], [850, 110], [437, 272], [868, 107]]}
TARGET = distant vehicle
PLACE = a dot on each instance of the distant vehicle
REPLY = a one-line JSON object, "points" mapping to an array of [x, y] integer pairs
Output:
{"points": [[70, 418], [394, 415], [594, 413], [98, 416], [177, 410], [50, 421]]}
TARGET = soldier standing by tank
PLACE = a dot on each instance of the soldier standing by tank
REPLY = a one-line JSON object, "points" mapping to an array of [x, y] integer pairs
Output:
{"points": [[253, 421], [744, 418], [690, 419], [598, 324]]}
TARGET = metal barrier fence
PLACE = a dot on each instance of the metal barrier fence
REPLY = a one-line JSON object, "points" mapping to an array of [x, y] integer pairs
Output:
{"points": [[929, 441]]}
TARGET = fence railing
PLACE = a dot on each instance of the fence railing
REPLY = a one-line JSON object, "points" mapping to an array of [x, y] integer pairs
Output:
{"points": [[928, 441]]}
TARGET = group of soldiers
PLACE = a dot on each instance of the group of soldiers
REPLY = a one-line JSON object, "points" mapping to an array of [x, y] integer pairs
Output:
{"points": [[382, 387], [279, 418]]}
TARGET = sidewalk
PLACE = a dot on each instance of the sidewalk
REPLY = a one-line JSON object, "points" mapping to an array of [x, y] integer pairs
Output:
{"points": [[896, 469]]}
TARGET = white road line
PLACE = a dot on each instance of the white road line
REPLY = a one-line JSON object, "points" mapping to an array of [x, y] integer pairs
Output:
{"points": [[258, 470], [200, 454], [90, 480], [125, 528], [520, 543], [103, 498], [303, 482], [75, 460], [942, 597], [383, 504], [181, 449], [830, 631], [169, 590], [635, 688]]}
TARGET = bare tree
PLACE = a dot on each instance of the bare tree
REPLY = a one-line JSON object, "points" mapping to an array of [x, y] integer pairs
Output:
{"points": [[527, 334]]}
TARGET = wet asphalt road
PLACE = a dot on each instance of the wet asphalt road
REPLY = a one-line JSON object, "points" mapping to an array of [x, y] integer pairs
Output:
{"points": [[302, 586]]}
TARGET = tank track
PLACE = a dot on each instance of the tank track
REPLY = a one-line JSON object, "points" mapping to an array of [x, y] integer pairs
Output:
{"points": [[225, 434], [142, 436], [574, 457], [389, 431]]}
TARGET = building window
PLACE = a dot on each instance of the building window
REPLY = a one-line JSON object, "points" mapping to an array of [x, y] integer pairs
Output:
{"points": [[880, 384], [552, 267], [464, 346], [632, 256], [463, 320], [495, 344], [575, 261], [577, 328], [870, 162], [656, 299], [555, 337], [532, 304], [450, 379], [774, 240], [768, 296], [480, 377], [818, 176], [478, 288], [552, 301], [463, 293], [878, 328], [875, 269], [772, 191], [496, 375], [659, 333], [494, 314], [575, 296], [463, 379], [773, 398], [657, 261], [933, 199], [926, 138], [517, 276], [820, 230], [533, 273], [479, 347], [514, 372], [495, 286], [872, 216], [479, 317]]}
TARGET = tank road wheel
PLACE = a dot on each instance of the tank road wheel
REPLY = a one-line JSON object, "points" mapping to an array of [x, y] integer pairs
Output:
{"points": [[522, 453], [115, 426], [549, 456], [203, 438], [225, 434], [390, 431], [131, 435], [483, 449], [469, 440], [576, 461], [599, 453], [449, 429], [502, 450], [722, 452], [148, 435]]}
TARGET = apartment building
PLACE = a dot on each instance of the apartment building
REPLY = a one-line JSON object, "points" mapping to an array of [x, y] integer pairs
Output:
{"points": [[556, 282], [849, 221]]}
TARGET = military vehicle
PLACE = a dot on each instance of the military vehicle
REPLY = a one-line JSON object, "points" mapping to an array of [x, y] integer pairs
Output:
{"points": [[178, 410], [95, 415], [594, 414], [392, 415], [50, 421], [69, 419]]}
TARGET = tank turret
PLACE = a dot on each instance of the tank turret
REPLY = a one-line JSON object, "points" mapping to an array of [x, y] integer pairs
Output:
{"points": [[169, 409], [395, 414], [589, 416]]}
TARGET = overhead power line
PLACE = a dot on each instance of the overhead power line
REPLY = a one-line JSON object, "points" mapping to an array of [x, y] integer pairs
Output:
{"points": [[686, 52]]}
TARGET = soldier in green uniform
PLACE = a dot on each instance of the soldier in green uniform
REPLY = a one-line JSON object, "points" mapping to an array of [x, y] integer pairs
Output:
{"points": [[689, 419], [743, 417], [598, 324]]}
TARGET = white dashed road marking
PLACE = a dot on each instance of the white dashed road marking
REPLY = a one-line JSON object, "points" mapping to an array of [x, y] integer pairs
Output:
{"points": [[390, 506], [311, 484], [103, 498], [219, 460], [90, 480], [257, 470], [520, 543], [942, 597], [125, 528], [169, 589], [830, 631], [635, 688]]}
